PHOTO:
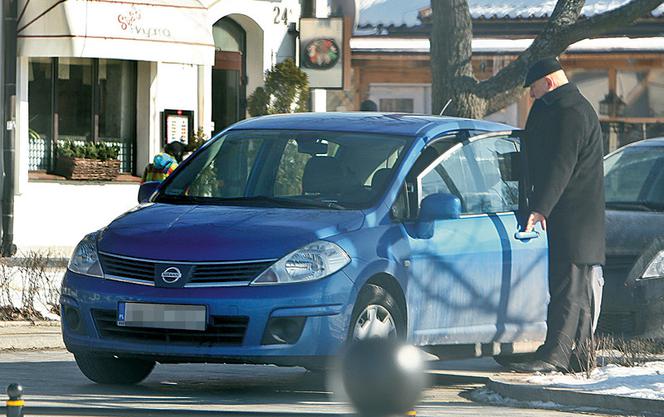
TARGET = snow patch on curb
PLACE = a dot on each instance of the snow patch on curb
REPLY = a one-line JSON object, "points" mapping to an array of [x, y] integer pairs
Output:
{"points": [[645, 381], [485, 395]]}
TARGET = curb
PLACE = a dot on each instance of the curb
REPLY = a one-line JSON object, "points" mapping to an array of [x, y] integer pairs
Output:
{"points": [[566, 397], [446, 378], [151, 412], [25, 323]]}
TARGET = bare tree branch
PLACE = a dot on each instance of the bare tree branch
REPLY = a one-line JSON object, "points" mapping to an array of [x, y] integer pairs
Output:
{"points": [[566, 13], [621, 16], [503, 100], [556, 37]]}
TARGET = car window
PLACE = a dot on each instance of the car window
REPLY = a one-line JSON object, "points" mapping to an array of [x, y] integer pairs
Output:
{"points": [[291, 168], [498, 190], [228, 173], [280, 168], [630, 174], [480, 173]]}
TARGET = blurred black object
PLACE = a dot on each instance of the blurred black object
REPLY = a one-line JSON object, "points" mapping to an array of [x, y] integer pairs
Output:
{"points": [[368, 105], [383, 376]]}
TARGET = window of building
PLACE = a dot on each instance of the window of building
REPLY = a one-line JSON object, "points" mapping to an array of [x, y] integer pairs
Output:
{"points": [[641, 91], [397, 105], [593, 84], [80, 100]]}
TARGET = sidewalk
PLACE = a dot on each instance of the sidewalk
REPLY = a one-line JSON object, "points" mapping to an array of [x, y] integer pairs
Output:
{"points": [[25, 335], [558, 391]]}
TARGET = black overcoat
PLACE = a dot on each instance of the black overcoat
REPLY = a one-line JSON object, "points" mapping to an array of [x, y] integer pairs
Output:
{"points": [[564, 151]]}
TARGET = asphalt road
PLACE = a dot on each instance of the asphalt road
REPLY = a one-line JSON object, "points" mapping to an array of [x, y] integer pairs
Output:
{"points": [[53, 385]]}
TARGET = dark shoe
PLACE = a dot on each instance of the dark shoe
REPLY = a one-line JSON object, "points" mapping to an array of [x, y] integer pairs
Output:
{"points": [[533, 366], [507, 360]]}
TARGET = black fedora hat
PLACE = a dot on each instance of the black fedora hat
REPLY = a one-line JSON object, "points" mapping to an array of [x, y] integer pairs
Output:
{"points": [[540, 69]]}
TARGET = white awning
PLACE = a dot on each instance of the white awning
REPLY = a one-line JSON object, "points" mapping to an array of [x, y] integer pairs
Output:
{"points": [[142, 30]]}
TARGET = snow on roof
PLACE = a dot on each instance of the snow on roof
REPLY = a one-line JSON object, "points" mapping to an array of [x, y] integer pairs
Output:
{"points": [[486, 45], [400, 12]]}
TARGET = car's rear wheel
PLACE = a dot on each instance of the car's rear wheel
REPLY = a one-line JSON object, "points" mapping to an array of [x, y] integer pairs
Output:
{"points": [[376, 314], [112, 370]]}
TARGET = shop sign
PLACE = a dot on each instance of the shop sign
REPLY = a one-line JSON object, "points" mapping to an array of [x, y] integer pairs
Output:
{"points": [[132, 22], [177, 126], [322, 50]]}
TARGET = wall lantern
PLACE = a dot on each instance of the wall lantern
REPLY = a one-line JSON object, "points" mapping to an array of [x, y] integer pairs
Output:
{"points": [[611, 105]]}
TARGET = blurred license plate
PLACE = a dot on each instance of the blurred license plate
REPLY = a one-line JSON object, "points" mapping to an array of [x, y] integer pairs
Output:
{"points": [[162, 316]]}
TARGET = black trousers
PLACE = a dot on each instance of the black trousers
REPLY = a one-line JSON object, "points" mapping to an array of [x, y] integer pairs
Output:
{"points": [[569, 318]]}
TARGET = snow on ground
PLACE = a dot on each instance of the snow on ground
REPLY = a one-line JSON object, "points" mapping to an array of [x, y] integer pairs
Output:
{"points": [[16, 281], [485, 395], [645, 381]]}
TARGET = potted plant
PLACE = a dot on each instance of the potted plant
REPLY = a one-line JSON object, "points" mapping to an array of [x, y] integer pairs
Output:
{"points": [[87, 161]]}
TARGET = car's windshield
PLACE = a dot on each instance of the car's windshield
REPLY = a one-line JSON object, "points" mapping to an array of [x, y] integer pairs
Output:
{"points": [[281, 168], [634, 179]]}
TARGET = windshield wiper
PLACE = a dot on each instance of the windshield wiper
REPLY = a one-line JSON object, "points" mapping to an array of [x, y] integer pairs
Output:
{"points": [[262, 200], [634, 205], [283, 202], [177, 198], [329, 204]]}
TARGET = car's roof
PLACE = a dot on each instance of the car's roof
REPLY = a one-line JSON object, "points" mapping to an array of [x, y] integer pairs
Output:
{"points": [[646, 142], [368, 122]]}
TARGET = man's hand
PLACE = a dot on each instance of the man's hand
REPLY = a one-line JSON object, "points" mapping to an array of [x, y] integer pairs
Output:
{"points": [[533, 219]]}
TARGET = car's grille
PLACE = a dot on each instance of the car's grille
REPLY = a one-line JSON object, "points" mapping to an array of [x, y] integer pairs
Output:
{"points": [[231, 272], [127, 268], [616, 323], [222, 330], [210, 274], [619, 265]]}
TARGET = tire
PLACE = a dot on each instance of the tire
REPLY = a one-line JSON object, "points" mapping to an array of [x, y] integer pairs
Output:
{"points": [[110, 370], [376, 298]]}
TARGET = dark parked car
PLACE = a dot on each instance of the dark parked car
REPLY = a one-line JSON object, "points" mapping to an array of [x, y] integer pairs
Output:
{"points": [[633, 303]]}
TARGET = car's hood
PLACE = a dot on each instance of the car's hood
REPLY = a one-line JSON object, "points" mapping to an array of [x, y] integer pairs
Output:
{"points": [[219, 233], [630, 232]]}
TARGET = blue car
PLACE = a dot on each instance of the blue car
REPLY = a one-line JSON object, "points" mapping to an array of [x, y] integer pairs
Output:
{"points": [[284, 237]]}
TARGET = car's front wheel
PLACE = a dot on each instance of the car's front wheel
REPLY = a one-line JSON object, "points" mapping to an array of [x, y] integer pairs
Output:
{"points": [[112, 370], [376, 314]]}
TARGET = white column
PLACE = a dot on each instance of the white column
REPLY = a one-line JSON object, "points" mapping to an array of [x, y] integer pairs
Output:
{"points": [[21, 157], [205, 98], [318, 95]]}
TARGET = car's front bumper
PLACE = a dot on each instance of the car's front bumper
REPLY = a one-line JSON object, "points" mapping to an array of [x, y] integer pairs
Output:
{"points": [[635, 310], [326, 304]]}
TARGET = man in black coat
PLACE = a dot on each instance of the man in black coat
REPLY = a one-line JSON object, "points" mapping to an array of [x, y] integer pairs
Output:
{"points": [[564, 150]]}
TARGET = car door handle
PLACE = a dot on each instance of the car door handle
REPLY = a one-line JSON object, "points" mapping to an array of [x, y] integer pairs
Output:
{"points": [[526, 235]]}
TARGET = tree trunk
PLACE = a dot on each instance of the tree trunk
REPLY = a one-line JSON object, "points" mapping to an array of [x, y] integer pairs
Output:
{"points": [[451, 66], [451, 52]]}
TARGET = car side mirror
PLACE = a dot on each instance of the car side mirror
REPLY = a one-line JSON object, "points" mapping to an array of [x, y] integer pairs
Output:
{"points": [[146, 190], [440, 206]]}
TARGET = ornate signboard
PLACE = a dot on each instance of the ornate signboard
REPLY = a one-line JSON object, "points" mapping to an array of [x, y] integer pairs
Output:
{"points": [[322, 51]]}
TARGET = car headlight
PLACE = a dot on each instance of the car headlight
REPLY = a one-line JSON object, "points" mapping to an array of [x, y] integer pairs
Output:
{"points": [[311, 262], [655, 268], [85, 259]]}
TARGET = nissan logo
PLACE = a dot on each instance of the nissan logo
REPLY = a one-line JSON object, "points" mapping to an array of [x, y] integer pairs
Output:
{"points": [[171, 275]]}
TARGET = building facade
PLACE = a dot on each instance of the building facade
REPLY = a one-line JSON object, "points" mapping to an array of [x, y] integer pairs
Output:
{"points": [[622, 73], [105, 71]]}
